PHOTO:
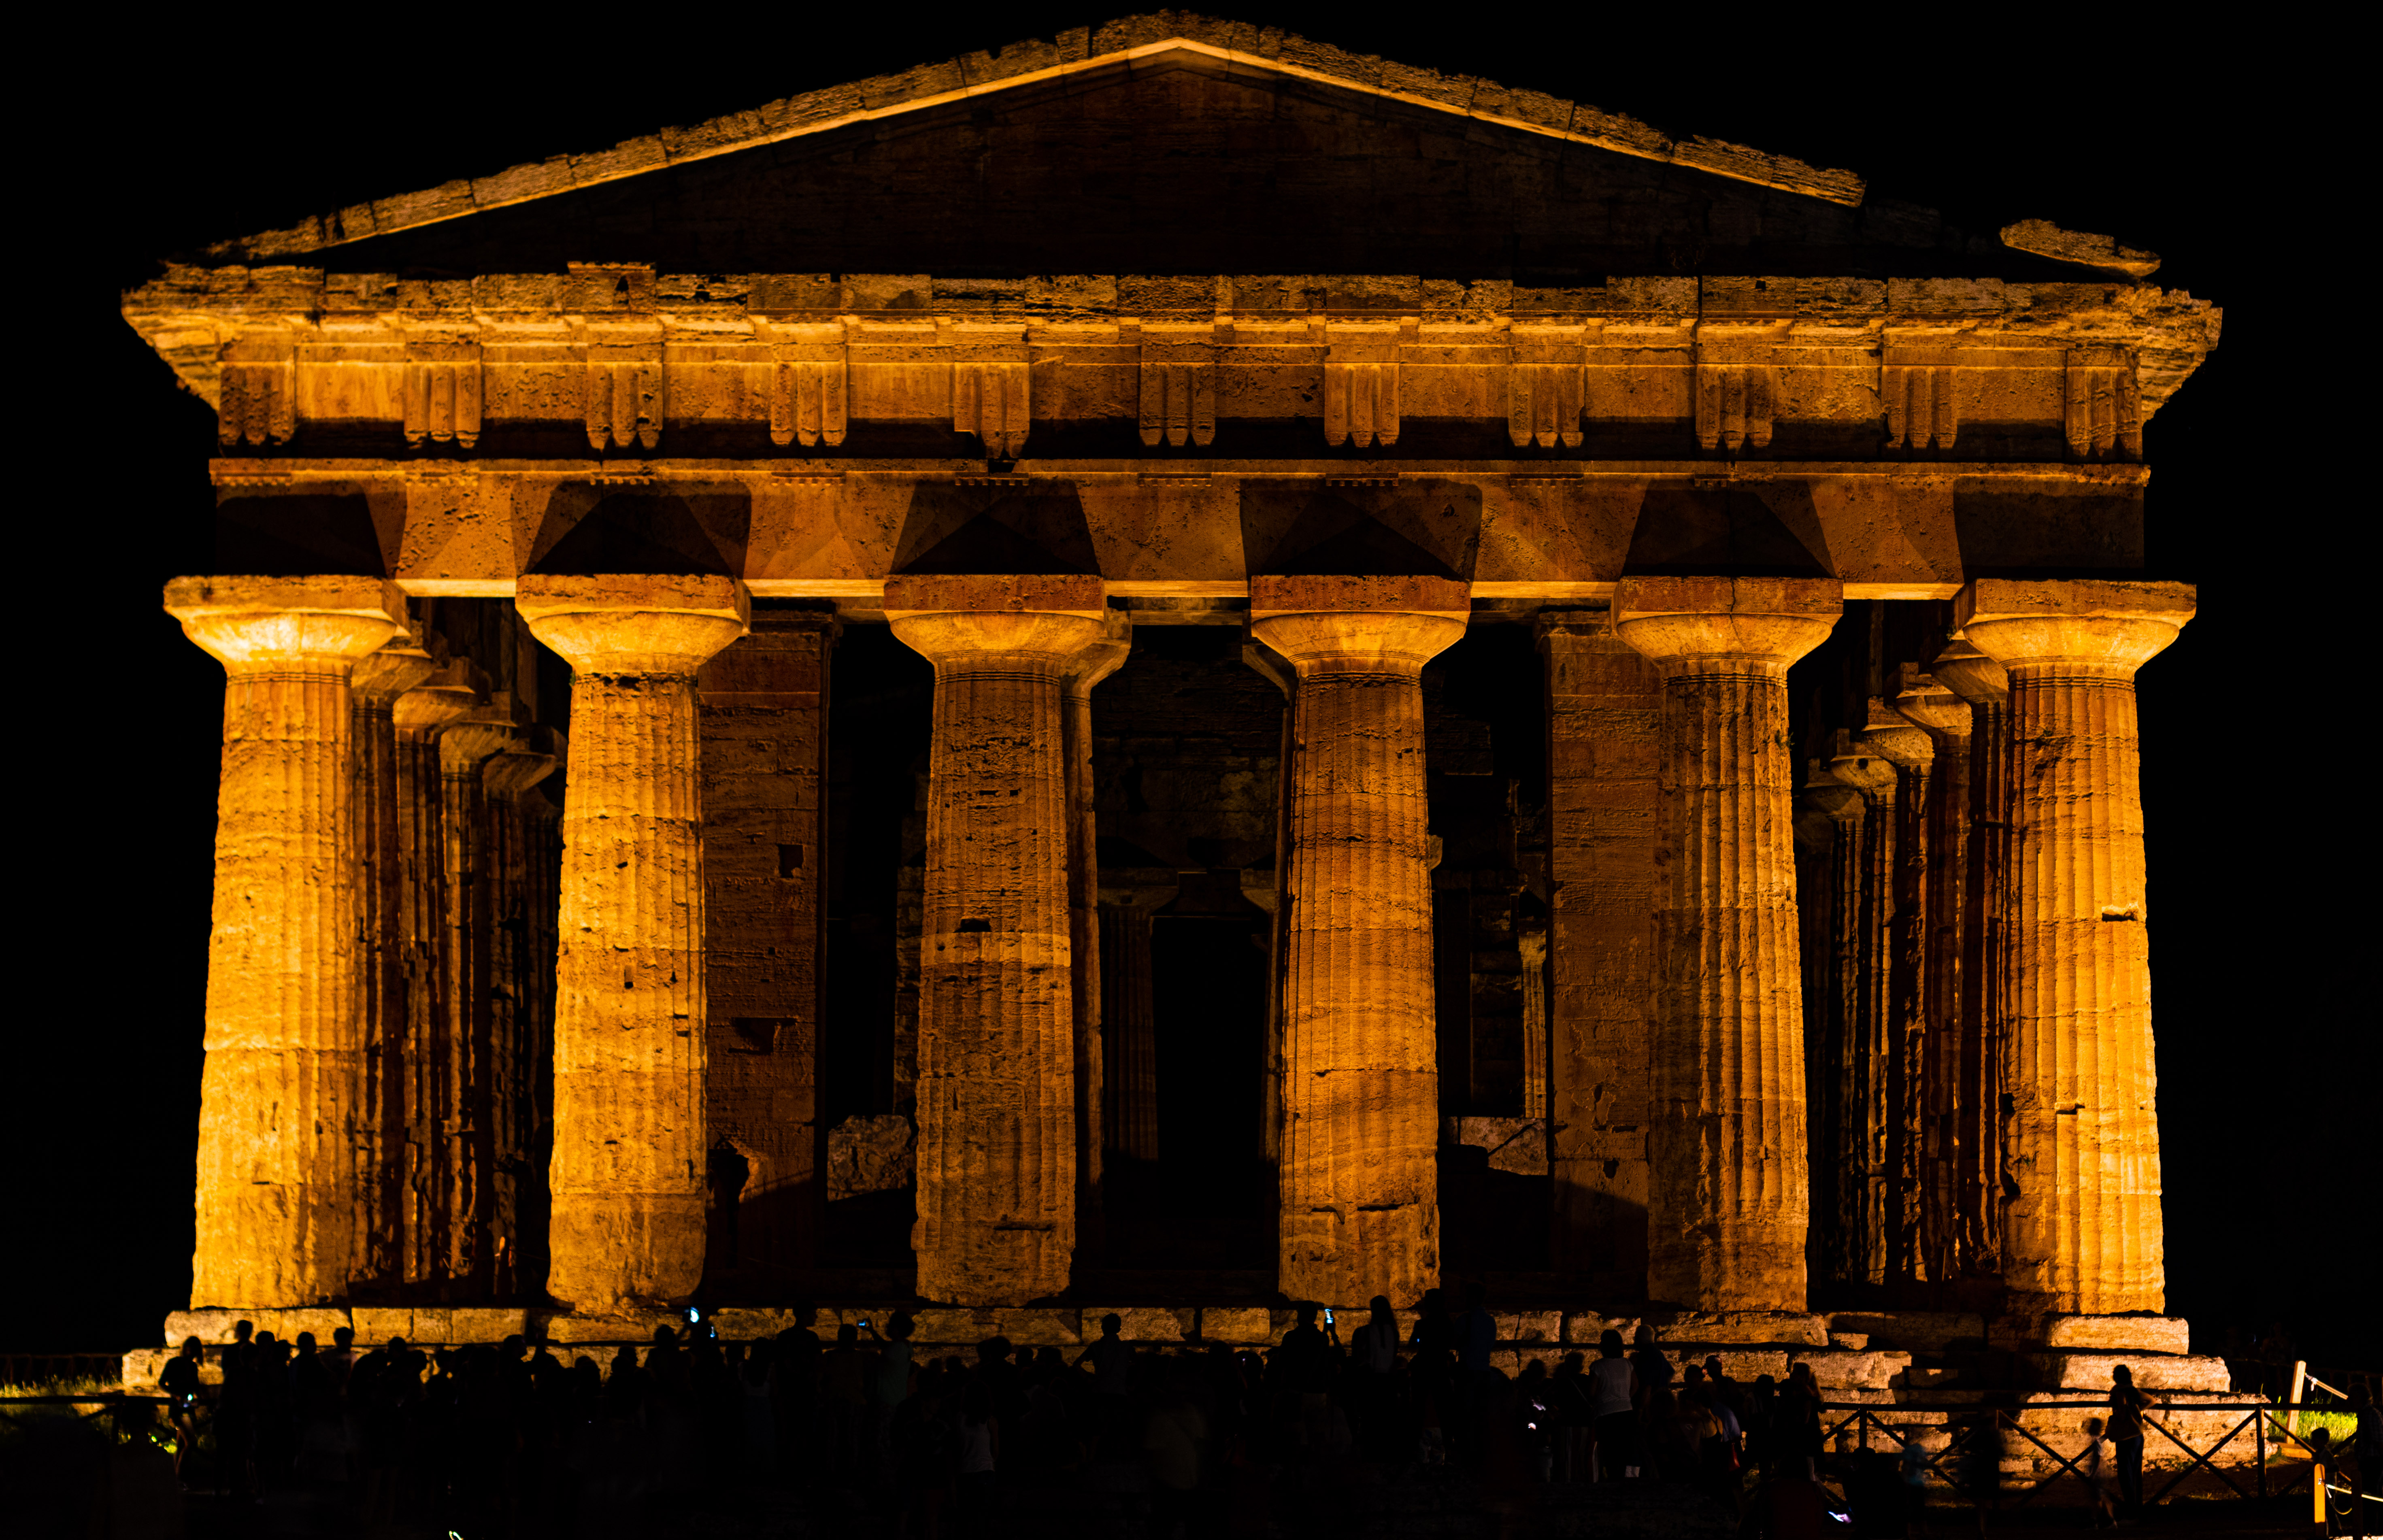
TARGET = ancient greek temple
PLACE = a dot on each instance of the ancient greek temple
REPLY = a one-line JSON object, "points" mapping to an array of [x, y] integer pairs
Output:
{"points": [[1175, 652]]}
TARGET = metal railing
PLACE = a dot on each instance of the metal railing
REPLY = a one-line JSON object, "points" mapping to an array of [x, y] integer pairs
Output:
{"points": [[2323, 1476]]}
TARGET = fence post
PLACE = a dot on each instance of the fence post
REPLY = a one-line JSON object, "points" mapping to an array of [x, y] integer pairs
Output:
{"points": [[2260, 1422], [2300, 1382]]}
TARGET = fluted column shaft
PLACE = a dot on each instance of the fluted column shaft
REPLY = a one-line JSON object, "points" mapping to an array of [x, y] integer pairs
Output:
{"points": [[1358, 1198], [2082, 1226], [1129, 1016], [1728, 1191], [378, 679], [1862, 1070], [1986, 973], [1945, 718], [1605, 709], [468, 1117], [1902, 1103], [1088, 998], [627, 1181], [424, 1215], [1828, 911], [998, 1103], [281, 1112], [511, 1069]]}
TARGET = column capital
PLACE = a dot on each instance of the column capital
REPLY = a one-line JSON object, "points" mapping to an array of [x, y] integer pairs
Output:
{"points": [[1924, 700], [954, 620], [509, 774], [1358, 625], [634, 623], [380, 677], [1821, 790], [469, 740], [1104, 655], [454, 690], [2091, 625], [1585, 621], [1726, 624], [269, 624], [1970, 674], [1895, 739], [1861, 767]]}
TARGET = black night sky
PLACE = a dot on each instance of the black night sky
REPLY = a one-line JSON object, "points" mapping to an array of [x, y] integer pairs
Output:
{"points": [[2259, 832]]}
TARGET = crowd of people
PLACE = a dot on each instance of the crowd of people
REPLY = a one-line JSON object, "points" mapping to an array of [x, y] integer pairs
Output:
{"points": [[519, 1438]]}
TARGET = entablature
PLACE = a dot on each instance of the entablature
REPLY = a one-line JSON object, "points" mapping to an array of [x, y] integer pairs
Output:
{"points": [[746, 365]]}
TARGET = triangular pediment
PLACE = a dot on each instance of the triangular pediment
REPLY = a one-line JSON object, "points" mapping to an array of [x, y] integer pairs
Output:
{"points": [[1167, 143]]}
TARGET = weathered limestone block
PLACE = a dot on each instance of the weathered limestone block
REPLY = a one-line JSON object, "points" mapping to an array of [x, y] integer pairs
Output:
{"points": [[455, 691], [378, 680], [997, 1104], [1728, 1196], [627, 1179], [870, 1154], [1605, 705], [1746, 1328], [2124, 1333], [1140, 1322], [1916, 1330], [763, 723], [1250, 1324], [1359, 1208], [215, 1326], [2082, 1231], [1985, 978], [282, 1118], [2154, 1371], [1862, 1369]]}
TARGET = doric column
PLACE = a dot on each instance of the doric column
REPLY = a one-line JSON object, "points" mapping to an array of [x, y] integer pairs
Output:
{"points": [[765, 728], [1129, 1016], [513, 1048], [378, 680], [468, 1115], [627, 1183], [542, 855], [1605, 709], [1829, 910], [1945, 719], [1095, 663], [1359, 1204], [996, 1018], [455, 691], [1984, 1008], [1861, 1093], [1908, 749], [1728, 1189], [281, 1098], [2082, 1230]]}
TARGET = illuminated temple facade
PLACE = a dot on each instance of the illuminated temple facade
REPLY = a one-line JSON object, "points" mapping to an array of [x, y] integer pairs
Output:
{"points": [[1174, 660]]}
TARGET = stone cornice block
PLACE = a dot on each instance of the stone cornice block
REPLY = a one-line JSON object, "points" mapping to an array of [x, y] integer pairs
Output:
{"points": [[1309, 596], [358, 597], [1993, 598], [538, 595], [913, 594]]}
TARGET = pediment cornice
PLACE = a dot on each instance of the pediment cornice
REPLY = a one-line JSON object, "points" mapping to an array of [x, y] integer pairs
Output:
{"points": [[1081, 55]]}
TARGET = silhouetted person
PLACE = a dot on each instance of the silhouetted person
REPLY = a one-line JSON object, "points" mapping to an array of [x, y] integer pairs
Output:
{"points": [[179, 1382], [979, 1458], [236, 1415], [1111, 1357], [2097, 1463], [1613, 1408], [1792, 1506], [2126, 1405], [1798, 1422], [843, 1396]]}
